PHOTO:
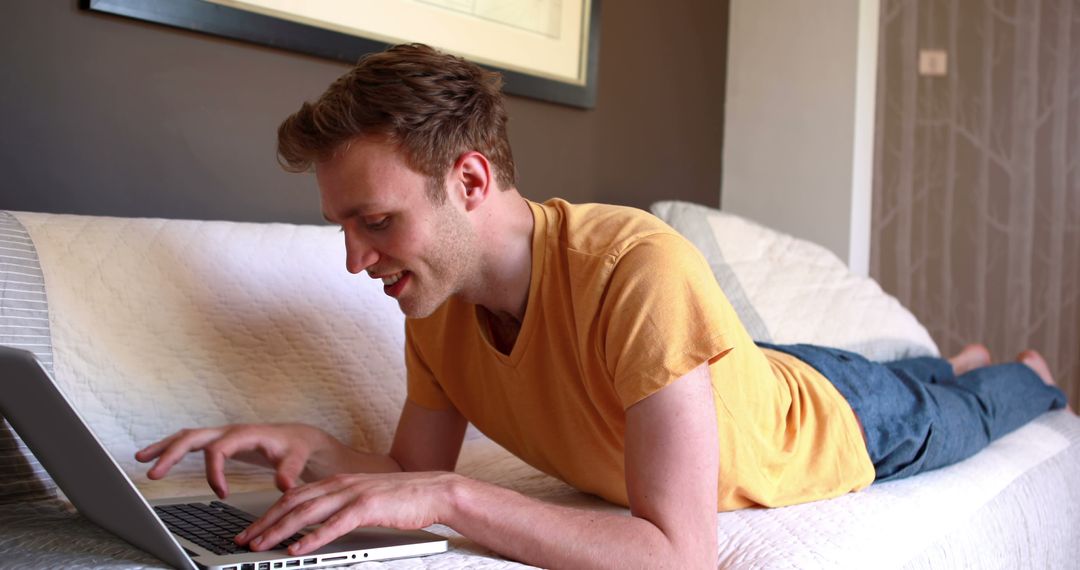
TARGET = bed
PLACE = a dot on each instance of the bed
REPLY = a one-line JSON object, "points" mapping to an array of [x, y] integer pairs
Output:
{"points": [[152, 325]]}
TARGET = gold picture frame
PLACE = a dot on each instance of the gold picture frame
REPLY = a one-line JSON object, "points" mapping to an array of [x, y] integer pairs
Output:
{"points": [[545, 49]]}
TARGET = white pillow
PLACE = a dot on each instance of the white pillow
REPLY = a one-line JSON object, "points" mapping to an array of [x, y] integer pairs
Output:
{"points": [[787, 290]]}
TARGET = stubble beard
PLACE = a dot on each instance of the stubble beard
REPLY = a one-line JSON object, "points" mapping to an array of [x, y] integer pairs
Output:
{"points": [[450, 264]]}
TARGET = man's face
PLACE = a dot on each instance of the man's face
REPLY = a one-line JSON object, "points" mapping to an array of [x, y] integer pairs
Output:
{"points": [[424, 253]]}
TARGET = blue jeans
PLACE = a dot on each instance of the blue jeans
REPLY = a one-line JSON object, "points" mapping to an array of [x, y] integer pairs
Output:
{"points": [[917, 415]]}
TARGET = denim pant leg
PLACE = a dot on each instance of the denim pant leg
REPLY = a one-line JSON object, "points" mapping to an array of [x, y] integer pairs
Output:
{"points": [[923, 369], [895, 409], [918, 416], [974, 409], [1012, 394]]}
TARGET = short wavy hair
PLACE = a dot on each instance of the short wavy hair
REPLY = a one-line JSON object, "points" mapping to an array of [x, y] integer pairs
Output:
{"points": [[432, 105]]}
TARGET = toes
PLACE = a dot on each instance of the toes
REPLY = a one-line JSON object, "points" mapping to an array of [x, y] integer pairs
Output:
{"points": [[970, 357], [1032, 359], [1029, 356], [978, 353]]}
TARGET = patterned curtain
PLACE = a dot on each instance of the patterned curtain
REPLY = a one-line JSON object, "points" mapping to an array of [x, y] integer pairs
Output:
{"points": [[976, 215]]}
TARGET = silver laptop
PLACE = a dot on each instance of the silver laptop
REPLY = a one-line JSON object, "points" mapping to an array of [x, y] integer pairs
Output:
{"points": [[183, 532]]}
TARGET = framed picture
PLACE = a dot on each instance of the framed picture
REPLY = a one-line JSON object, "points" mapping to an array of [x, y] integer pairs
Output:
{"points": [[545, 49]]}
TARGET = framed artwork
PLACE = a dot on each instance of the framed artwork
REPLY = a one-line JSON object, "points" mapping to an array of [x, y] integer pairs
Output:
{"points": [[545, 49]]}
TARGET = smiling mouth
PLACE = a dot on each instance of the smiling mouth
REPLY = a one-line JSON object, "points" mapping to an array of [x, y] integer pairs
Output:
{"points": [[394, 284], [391, 279]]}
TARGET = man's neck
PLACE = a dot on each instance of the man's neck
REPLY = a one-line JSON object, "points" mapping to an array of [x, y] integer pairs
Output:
{"points": [[505, 269]]}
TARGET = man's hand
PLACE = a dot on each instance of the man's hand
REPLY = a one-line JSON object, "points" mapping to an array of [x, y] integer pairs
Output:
{"points": [[286, 448], [344, 502], [672, 458], [426, 440]]}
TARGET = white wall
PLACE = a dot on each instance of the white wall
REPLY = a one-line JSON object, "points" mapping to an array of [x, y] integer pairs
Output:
{"points": [[799, 119]]}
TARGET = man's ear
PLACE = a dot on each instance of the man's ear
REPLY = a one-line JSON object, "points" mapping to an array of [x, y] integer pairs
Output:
{"points": [[473, 178]]}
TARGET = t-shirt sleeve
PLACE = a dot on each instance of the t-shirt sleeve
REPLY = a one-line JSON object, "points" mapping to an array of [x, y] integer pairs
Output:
{"points": [[661, 317], [423, 389]]}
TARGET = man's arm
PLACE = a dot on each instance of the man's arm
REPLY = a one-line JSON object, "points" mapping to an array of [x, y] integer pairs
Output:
{"points": [[672, 458], [428, 440], [425, 440]]}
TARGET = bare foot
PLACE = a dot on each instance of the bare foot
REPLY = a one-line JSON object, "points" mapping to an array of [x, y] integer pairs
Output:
{"points": [[969, 358], [1036, 362]]}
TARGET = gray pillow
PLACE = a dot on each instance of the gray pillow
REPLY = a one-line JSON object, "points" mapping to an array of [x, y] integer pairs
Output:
{"points": [[24, 323]]}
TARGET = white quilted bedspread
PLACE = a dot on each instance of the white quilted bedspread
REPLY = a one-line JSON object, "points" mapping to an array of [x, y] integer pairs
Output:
{"points": [[1027, 478], [160, 325]]}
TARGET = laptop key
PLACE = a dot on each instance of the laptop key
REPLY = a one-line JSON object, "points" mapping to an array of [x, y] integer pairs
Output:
{"points": [[212, 526]]}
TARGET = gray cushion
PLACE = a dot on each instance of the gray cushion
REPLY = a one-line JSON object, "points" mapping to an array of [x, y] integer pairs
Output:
{"points": [[24, 323]]}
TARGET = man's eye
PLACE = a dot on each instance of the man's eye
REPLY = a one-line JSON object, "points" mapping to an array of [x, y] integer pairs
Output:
{"points": [[380, 224]]}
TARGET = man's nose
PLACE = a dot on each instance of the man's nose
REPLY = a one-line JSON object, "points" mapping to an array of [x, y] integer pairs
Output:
{"points": [[359, 255]]}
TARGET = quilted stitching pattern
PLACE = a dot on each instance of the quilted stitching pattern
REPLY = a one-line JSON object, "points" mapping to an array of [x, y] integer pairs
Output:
{"points": [[165, 324], [896, 524], [807, 294]]}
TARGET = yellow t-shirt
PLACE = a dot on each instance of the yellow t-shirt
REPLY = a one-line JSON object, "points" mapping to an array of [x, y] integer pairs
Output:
{"points": [[619, 306]]}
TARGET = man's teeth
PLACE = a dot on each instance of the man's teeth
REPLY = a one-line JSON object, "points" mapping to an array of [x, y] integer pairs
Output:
{"points": [[391, 279]]}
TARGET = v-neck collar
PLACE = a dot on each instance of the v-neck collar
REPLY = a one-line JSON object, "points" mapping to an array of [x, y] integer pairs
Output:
{"points": [[532, 304]]}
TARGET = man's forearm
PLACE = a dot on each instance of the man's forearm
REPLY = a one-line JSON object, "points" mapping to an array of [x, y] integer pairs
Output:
{"points": [[425, 440], [335, 457], [554, 536]]}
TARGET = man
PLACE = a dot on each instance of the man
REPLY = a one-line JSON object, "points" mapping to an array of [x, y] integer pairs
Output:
{"points": [[592, 341]]}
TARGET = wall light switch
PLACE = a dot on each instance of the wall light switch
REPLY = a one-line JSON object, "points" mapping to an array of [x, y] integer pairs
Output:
{"points": [[933, 62]]}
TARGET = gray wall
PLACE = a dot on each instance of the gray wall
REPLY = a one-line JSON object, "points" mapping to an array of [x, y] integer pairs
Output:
{"points": [[800, 120], [105, 115]]}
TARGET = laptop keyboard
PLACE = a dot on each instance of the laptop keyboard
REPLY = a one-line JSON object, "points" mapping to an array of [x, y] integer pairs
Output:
{"points": [[212, 526]]}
